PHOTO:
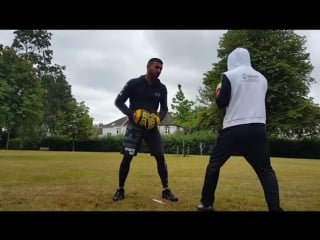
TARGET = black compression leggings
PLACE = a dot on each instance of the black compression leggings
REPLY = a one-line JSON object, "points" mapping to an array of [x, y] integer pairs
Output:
{"points": [[125, 167]]}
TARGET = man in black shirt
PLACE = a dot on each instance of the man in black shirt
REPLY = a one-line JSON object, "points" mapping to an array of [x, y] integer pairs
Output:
{"points": [[145, 94]]}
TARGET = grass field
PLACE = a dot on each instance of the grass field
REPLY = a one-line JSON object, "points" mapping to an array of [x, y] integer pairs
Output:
{"points": [[82, 181]]}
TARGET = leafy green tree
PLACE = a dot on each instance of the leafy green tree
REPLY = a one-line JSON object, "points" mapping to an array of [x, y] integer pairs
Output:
{"points": [[75, 124], [280, 55], [183, 111], [20, 95], [48, 81], [34, 45], [56, 98]]}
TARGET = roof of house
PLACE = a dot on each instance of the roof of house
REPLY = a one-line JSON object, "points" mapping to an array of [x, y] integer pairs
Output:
{"points": [[117, 123], [167, 121]]}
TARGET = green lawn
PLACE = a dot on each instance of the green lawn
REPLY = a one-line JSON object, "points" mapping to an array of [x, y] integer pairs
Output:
{"points": [[82, 181]]}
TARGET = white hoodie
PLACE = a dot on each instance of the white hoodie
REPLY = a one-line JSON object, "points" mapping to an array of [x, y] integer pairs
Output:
{"points": [[248, 91]]}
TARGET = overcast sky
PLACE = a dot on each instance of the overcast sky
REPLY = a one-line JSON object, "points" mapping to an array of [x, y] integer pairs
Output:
{"points": [[99, 62]]}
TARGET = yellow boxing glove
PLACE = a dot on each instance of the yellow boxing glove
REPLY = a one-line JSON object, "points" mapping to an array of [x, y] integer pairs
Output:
{"points": [[153, 120], [140, 117]]}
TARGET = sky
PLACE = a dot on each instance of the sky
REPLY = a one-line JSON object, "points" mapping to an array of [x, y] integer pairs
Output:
{"points": [[100, 62]]}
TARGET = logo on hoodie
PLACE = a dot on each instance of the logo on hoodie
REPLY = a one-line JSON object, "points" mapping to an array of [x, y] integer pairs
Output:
{"points": [[249, 78]]}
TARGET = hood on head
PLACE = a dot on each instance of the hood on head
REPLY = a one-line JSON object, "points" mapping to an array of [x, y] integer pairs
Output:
{"points": [[238, 57]]}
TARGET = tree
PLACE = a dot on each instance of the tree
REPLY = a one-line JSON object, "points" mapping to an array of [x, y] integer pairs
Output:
{"points": [[183, 112], [33, 111], [75, 123], [20, 95], [56, 98], [280, 55], [34, 45]]}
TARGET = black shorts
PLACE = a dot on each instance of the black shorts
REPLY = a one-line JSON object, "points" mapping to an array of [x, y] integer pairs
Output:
{"points": [[133, 138]]}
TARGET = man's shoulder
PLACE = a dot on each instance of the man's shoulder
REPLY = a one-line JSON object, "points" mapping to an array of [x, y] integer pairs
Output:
{"points": [[137, 79], [161, 84]]}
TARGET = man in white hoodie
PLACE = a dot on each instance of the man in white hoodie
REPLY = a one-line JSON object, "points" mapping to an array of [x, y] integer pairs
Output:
{"points": [[243, 92]]}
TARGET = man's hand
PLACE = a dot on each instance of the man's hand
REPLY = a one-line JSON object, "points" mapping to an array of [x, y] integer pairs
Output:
{"points": [[218, 89], [153, 121], [146, 120], [140, 117]]}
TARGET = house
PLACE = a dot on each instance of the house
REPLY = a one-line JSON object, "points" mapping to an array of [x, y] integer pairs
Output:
{"points": [[118, 127]]}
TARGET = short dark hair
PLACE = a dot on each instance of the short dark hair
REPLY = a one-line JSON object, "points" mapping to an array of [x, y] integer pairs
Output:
{"points": [[158, 60]]}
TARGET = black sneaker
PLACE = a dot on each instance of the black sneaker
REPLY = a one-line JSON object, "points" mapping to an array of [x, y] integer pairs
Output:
{"points": [[167, 194], [119, 195], [203, 208]]}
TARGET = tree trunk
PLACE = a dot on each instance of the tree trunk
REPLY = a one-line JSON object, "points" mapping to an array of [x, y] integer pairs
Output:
{"points": [[8, 138]]}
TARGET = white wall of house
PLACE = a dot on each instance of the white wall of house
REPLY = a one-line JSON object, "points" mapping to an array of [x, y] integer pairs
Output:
{"points": [[168, 129], [113, 131]]}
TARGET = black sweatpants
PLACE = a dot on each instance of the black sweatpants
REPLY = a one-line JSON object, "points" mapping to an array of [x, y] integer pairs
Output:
{"points": [[249, 141]]}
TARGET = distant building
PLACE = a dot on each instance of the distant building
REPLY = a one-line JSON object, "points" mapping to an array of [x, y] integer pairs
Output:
{"points": [[118, 127]]}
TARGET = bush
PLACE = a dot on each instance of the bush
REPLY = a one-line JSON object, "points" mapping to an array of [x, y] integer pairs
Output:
{"points": [[177, 143]]}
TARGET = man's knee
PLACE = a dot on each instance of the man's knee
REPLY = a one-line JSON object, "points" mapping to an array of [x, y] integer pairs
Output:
{"points": [[159, 157], [127, 157]]}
